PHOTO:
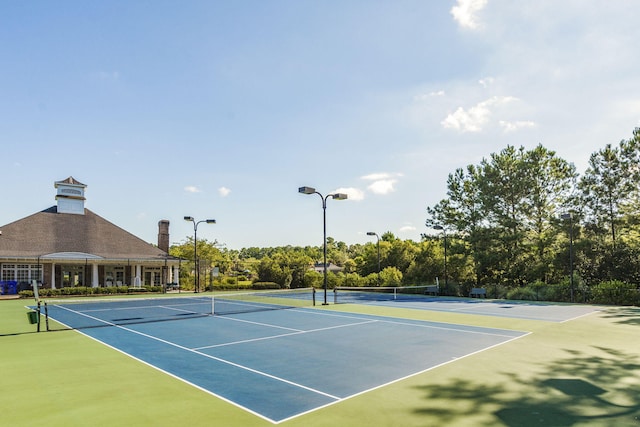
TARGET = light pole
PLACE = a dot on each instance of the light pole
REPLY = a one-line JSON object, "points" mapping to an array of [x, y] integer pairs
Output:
{"points": [[196, 279], [373, 233], [444, 235], [570, 218], [335, 196]]}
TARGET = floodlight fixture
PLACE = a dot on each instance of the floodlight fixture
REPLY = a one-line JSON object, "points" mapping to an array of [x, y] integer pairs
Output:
{"points": [[335, 196], [306, 190], [373, 233], [196, 279]]}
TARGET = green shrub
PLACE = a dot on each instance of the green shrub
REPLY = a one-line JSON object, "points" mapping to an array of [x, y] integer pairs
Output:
{"points": [[265, 285], [497, 291], [451, 289], [526, 294], [560, 292], [228, 287], [614, 292]]}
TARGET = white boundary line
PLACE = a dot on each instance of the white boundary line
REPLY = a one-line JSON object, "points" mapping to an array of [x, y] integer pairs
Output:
{"points": [[363, 317], [404, 378], [300, 332]]}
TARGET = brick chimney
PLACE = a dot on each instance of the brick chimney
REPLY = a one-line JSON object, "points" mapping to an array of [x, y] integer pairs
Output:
{"points": [[163, 235]]}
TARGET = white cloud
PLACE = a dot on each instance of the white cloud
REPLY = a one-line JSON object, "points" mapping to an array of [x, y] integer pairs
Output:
{"points": [[474, 119], [376, 176], [224, 191], [465, 13], [352, 193], [383, 183], [514, 126], [191, 189], [407, 229], [382, 186]]}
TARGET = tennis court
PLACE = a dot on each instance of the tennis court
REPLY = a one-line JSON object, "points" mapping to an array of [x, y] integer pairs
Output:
{"points": [[276, 364], [415, 298]]}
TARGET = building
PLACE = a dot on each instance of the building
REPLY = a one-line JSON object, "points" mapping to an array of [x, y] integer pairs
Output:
{"points": [[69, 245], [318, 267]]}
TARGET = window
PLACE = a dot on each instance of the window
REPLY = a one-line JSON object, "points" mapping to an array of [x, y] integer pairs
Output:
{"points": [[22, 272], [113, 275], [152, 276]]}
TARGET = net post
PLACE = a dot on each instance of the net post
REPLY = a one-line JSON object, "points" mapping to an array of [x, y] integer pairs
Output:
{"points": [[46, 316], [38, 311], [313, 296], [395, 293], [335, 295], [213, 306]]}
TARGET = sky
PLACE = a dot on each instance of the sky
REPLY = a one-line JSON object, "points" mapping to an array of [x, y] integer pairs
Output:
{"points": [[223, 109]]}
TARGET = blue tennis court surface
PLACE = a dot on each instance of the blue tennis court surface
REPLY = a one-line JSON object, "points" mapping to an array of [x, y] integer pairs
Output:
{"points": [[283, 363], [549, 312], [530, 310]]}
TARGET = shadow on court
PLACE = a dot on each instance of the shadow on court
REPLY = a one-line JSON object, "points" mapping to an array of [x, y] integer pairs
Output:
{"points": [[624, 315], [578, 389]]}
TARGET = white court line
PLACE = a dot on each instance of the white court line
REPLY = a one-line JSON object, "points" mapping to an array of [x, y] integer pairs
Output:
{"points": [[309, 331], [403, 378], [363, 320], [427, 324], [252, 322], [228, 362]]}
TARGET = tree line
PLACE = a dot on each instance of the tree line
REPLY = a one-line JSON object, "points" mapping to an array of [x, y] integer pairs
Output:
{"points": [[520, 218]]}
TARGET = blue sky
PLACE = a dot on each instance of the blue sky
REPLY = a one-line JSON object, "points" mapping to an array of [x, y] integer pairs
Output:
{"points": [[223, 109]]}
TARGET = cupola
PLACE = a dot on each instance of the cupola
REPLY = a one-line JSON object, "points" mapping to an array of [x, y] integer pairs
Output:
{"points": [[70, 196]]}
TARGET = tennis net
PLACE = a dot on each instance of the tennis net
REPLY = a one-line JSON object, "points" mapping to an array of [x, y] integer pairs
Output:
{"points": [[243, 302], [100, 312], [360, 294]]}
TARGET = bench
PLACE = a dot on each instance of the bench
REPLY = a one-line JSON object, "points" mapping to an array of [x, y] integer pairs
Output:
{"points": [[173, 287], [432, 290], [478, 292]]}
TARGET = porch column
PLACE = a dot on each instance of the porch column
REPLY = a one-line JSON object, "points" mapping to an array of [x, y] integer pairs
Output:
{"points": [[137, 281], [53, 275], [95, 281], [176, 275]]}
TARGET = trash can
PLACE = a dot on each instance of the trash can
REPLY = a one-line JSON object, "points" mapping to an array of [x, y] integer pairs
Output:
{"points": [[33, 317], [12, 288]]}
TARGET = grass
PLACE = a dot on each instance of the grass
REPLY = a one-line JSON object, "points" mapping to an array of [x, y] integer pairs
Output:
{"points": [[585, 372]]}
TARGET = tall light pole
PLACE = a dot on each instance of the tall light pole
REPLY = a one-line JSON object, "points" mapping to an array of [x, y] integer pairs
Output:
{"points": [[570, 218], [335, 196], [373, 233], [444, 235], [196, 279]]}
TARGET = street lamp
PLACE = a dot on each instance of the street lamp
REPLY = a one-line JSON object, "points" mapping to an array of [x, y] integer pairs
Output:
{"points": [[570, 218], [444, 234], [196, 279], [335, 196], [373, 233]]}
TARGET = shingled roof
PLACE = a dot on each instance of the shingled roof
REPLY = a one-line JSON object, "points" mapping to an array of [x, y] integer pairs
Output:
{"points": [[70, 180], [49, 232]]}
